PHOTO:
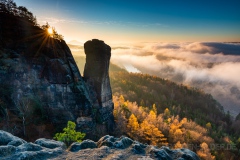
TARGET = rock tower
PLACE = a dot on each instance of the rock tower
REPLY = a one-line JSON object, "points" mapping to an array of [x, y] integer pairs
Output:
{"points": [[96, 75]]}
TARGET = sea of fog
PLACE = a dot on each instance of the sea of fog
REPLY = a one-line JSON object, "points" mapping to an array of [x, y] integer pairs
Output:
{"points": [[210, 66]]}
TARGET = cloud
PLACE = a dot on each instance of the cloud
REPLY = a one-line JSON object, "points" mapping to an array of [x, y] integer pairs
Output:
{"points": [[212, 67], [225, 48], [54, 20]]}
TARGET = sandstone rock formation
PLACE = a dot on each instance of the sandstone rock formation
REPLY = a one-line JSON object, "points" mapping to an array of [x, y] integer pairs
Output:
{"points": [[96, 75], [111, 148], [12, 147], [108, 147], [40, 81]]}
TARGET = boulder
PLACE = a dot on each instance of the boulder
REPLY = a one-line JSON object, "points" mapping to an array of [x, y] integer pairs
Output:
{"points": [[15, 143], [43, 154], [40, 150], [29, 147], [48, 143], [83, 145], [123, 142], [9, 139], [138, 148], [106, 141], [168, 154], [159, 154], [7, 150]]}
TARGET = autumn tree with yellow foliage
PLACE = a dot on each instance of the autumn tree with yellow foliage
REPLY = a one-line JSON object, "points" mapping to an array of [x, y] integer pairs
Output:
{"points": [[150, 134], [133, 126], [172, 100], [147, 126], [204, 153]]}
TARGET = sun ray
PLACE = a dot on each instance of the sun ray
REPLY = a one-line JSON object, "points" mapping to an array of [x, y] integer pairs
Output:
{"points": [[46, 38], [43, 43]]}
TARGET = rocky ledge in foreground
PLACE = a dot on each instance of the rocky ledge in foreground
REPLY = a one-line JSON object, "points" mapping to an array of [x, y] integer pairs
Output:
{"points": [[107, 147]]}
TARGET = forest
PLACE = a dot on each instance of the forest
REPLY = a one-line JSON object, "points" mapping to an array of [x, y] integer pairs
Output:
{"points": [[157, 111]]}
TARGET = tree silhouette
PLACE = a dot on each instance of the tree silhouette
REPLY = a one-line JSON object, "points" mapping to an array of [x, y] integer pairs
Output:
{"points": [[3, 7], [45, 27], [10, 7], [54, 34]]}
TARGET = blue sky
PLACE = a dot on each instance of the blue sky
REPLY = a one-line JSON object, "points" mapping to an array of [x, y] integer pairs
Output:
{"points": [[140, 20]]}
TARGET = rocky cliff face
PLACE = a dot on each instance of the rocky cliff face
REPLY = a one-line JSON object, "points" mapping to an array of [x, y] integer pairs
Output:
{"points": [[40, 80], [107, 147], [96, 76]]}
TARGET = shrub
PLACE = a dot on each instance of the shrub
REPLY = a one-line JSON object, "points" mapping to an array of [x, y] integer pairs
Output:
{"points": [[69, 134]]}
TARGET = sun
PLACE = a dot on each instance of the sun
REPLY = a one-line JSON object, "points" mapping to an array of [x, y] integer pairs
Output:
{"points": [[50, 31]]}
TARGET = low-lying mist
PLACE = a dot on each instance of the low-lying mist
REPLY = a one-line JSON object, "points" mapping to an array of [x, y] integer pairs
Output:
{"points": [[210, 66]]}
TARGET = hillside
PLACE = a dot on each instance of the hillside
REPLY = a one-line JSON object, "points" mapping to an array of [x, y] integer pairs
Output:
{"points": [[177, 111], [181, 100], [147, 90], [136, 94]]}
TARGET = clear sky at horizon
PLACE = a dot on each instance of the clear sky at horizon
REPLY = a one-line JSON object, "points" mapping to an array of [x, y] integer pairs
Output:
{"points": [[116, 21]]}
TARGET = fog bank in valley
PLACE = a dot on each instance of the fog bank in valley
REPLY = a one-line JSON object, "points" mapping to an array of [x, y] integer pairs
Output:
{"points": [[211, 66]]}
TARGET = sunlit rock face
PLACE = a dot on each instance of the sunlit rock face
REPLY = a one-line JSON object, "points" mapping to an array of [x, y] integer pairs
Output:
{"points": [[38, 69], [96, 75]]}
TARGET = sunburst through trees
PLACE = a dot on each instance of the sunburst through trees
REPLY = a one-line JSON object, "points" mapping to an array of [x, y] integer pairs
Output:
{"points": [[45, 33]]}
